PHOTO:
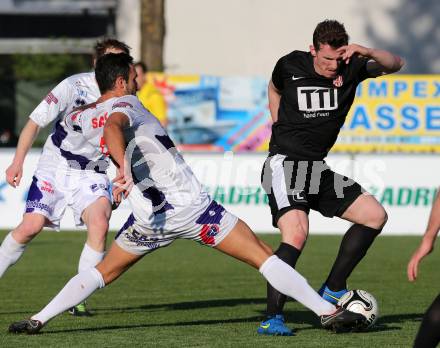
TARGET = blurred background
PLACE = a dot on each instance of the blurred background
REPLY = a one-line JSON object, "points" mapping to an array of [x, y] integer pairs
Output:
{"points": [[206, 67]]}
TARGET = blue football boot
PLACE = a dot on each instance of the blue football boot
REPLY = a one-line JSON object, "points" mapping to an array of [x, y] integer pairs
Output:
{"points": [[331, 296], [274, 326]]}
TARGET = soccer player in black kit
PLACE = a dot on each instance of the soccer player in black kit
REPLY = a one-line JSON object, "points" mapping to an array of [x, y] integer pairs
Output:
{"points": [[310, 95]]}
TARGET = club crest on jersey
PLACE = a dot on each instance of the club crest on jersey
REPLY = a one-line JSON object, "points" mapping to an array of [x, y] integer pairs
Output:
{"points": [[338, 81], [208, 233], [50, 98], [47, 187], [213, 230], [122, 104]]}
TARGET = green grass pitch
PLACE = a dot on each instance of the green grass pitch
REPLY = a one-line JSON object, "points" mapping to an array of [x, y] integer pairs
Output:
{"points": [[186, 295]]}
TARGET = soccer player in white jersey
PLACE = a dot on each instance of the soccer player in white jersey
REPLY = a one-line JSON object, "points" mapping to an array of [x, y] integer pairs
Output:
{"points": [[168, 203], [65, 176]]}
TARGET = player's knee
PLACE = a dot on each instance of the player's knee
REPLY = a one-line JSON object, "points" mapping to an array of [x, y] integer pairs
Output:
{"points": [[297, 237], [377, 218], [99, 225], [29, 228], [110, 275]]}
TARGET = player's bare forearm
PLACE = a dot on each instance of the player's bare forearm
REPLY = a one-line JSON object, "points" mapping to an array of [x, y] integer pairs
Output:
{"points": [[274, 101], [25, 141], [114, 137], [115, 142], [390, 62], [382, 62], [15, 171]]}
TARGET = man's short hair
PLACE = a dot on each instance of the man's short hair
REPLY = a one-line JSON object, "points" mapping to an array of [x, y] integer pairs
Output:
{"points": [[330, 32], [103, 45], [142, 65], [109, 67]]}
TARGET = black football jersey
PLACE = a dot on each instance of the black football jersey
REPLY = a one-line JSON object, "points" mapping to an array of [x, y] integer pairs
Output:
{"points": [[312, 108]]}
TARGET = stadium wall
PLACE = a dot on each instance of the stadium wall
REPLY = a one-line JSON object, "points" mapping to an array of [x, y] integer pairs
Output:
{"points": [[247, 37], [405, 184]]}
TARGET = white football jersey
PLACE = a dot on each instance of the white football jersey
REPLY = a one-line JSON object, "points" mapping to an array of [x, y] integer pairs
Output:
{"points": [[64, 148], [165, 186]]}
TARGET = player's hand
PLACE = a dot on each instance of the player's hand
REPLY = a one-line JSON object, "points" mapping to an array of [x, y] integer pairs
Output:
{"points": [[425, 247], [14, 174], [122, 185], [348, 51]]}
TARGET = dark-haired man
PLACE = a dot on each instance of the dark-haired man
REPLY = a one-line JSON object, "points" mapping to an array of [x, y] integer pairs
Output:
{"points": [[310, 94], [167, 202], [57, 183]]}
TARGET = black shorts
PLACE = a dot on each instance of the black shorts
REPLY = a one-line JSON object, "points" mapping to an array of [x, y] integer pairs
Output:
{"points": [[305, 185]]}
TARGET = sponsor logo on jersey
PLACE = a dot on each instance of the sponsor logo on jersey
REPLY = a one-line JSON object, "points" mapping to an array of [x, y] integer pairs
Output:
{"points": [[338, 81], [96, 187], [38, 205], [121, 104], [50, 98], [141, 240], [81, 92], [47, 187], [98, 122], [297, 77], [312, 99]]}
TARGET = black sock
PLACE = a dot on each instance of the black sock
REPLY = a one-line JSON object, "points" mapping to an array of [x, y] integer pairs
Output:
{"points": [[353, 248], [429, 331], [275, 300]]}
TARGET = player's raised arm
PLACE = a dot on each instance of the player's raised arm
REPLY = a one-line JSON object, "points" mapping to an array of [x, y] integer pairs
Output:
{"points": [[428, 240], [381, 62]]}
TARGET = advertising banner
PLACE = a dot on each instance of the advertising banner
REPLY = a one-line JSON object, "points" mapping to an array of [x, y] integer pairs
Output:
{"points": [[405, 184], [393, 113]]}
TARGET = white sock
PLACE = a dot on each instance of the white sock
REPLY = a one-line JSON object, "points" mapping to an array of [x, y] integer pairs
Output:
{"points": [[75, 291], [290, 283], [10, 252], [89, 258]]}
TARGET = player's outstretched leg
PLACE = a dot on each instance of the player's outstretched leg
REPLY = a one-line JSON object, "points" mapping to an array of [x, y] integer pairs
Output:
{"points": [[429, 331], [244, 245], [369, 218], [15, 242], [79, 288], [96, 217]]}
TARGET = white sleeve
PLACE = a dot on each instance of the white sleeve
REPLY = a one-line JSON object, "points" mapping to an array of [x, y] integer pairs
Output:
{"points": [[127, 107], [53, 104]]}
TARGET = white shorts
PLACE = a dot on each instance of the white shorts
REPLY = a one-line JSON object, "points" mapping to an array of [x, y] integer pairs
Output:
{"points": [[51, 192], [209, 228]]}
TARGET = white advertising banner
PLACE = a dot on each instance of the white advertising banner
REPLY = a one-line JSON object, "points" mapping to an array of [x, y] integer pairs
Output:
{"points": [[405, 184]]}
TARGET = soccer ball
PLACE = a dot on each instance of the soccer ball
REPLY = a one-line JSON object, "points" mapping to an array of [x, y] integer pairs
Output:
{"points": [[362, 302]]}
